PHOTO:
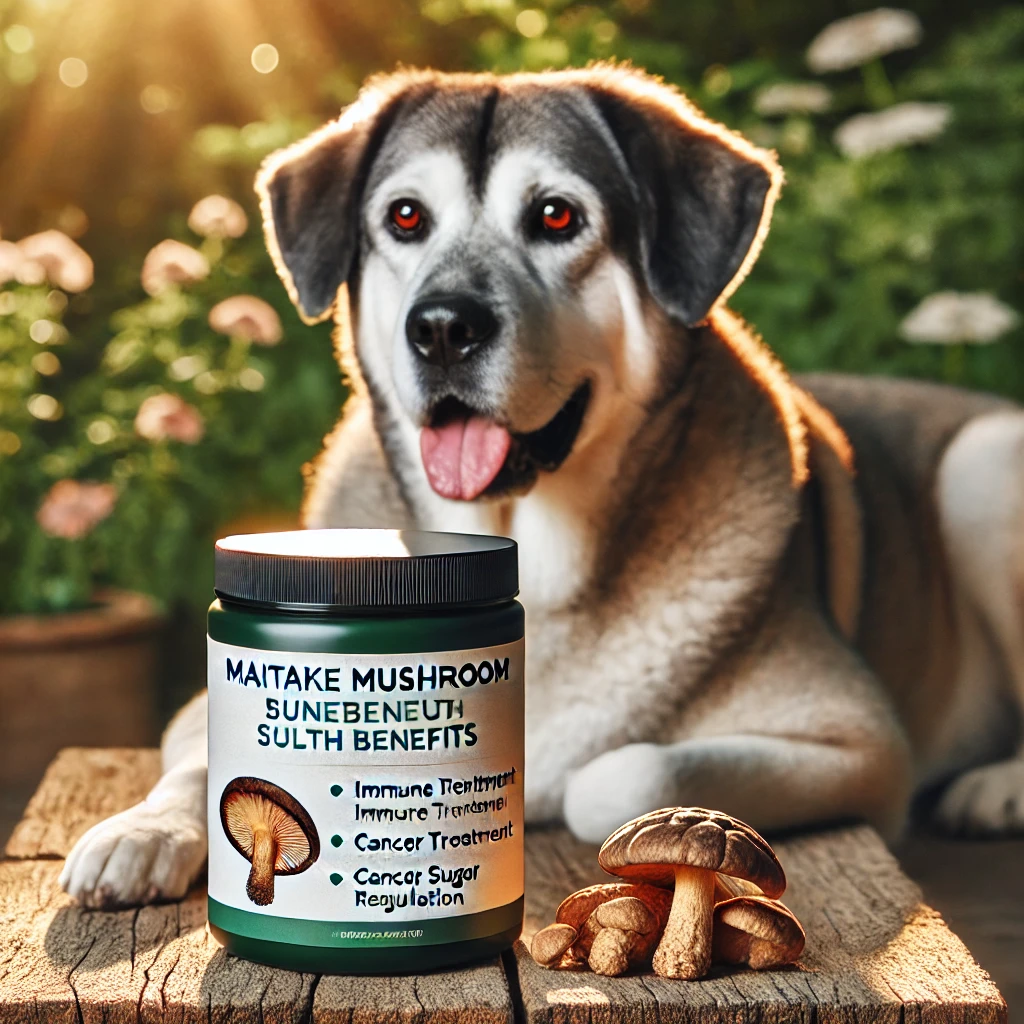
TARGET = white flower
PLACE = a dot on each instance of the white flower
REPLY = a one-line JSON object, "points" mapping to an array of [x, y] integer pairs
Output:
{"points": [[52, 256], [949, 318], [853, 41], [901, 125], [172, 262], [792, 98], [218, 217], [246, 316], [169, 417]]}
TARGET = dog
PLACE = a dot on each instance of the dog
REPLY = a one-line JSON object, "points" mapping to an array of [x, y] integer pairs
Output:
{"points": [[799, 601]]}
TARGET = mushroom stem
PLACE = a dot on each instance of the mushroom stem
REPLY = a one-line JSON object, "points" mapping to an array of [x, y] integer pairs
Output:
{"points": [[685, 948], [260, 887]]}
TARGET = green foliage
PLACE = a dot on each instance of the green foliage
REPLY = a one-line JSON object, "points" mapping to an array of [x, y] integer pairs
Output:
{"points": [[264, 410], [855, 245]]}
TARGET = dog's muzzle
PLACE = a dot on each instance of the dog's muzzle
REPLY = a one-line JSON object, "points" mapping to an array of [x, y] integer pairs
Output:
{"points": [[447, 329]]}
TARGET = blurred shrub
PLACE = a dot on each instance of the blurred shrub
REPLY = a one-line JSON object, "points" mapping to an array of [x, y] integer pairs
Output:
{"points": [[858, 242], [191, 426]]}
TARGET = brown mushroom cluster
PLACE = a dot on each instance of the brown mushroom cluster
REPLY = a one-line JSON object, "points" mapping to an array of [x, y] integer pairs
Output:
{"points": [[701, 886]]}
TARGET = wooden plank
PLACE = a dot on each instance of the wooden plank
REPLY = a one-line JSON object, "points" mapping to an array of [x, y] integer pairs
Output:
{"points": [[158, 965], [874, 951], [82, 785]]}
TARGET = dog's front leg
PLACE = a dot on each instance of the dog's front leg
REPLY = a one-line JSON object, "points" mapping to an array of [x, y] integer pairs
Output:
{"points": [[154, 850], [772, 782], [795, 731]]}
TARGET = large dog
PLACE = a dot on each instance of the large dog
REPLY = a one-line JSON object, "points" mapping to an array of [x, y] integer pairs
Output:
{"points": [[798, 609]]}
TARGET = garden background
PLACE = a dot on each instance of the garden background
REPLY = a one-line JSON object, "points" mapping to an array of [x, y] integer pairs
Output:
{"points": [[116, 117]]}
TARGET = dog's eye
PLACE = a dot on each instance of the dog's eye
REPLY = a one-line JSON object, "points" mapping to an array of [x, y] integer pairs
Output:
{"points": [[406, 218], [556, 218]]}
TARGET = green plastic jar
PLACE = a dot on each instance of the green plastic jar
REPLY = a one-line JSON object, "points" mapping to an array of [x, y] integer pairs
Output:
{"points": [[366, 749]]}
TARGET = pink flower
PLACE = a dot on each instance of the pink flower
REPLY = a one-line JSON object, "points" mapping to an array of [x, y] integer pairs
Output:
{"points": [[170, 263], [218, 217], [246, 316], [168, 417], [71, 508], [52, 256]]}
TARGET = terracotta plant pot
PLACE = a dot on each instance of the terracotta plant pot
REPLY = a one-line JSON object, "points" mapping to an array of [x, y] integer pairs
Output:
{"points": [[84, 678]]}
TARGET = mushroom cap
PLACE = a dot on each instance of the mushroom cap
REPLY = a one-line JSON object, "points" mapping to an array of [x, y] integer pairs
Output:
{"points": [[766, 920], [576, 909], [649, 848], [247, 802], [627, 914], [550, 943]]}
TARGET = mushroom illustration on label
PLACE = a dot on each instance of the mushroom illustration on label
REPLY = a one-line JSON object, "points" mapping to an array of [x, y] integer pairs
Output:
{"points": [[271, 830]]}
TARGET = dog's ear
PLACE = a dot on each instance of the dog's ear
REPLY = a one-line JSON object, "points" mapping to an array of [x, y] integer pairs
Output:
{"points": [[705, 194], [310, 195]]}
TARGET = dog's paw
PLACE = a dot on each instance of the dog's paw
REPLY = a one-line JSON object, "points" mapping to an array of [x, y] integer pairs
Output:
{"points": [[617, 786], [142, 855], [987, 801]]}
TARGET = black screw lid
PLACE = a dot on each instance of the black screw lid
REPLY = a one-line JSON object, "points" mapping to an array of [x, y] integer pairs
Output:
{"points": [[366, 570]]}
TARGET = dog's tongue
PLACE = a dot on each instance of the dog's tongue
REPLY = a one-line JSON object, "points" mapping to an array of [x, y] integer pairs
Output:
{"points": [[464, 456]]}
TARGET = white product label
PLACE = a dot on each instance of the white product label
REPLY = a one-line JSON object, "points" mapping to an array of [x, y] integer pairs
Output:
{"points": [[364, 787]]}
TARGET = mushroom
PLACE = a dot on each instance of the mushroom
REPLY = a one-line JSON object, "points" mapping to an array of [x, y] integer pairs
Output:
{"points": [[271, 829], [687, 846], [757, 931], [622, 933], [577, 909], [551, 943]]}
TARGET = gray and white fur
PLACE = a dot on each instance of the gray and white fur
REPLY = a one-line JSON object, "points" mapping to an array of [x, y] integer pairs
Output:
{"points": [[799, 602]]}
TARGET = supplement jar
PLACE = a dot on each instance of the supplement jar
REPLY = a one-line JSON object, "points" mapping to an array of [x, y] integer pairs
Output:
{"points": [[366, 749]]}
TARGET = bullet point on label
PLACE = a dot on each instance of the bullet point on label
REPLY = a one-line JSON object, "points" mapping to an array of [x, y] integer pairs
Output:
{"points": [[336, 840], [336, 790], [336, 878]]}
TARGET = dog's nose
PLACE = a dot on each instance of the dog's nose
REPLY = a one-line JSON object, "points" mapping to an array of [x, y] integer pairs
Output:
{"points": [[445, 329]]}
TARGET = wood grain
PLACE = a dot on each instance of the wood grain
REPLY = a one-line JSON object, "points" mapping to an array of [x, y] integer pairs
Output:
{"points": [[82, 785], [874, 952]]}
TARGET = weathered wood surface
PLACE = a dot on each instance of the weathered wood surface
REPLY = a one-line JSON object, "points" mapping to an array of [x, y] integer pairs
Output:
{"points": [[874, 952], [81, 786], [158, 964]]}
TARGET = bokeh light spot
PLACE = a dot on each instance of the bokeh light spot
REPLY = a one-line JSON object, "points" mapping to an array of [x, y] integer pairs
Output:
{"points": [[19, 38], [531, 22], [100, 432], [251, 379], [10, 443], [265, 58], [74, 72], [717, 80], [155, 99], [44, 407], [46, 363], [42, 331]]}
